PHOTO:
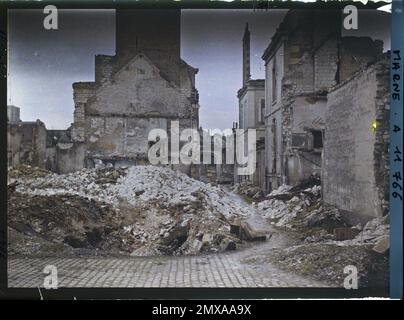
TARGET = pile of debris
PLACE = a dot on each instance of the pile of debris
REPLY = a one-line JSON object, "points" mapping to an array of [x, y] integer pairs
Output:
{"points": [[300, 208], [141, 210], [375, 233], [326, 259], [303, 210], [88, 183], [328, 241], [248, 190]]}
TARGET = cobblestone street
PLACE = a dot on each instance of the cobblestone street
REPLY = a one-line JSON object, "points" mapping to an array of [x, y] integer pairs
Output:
{"points": [[218, 270]]}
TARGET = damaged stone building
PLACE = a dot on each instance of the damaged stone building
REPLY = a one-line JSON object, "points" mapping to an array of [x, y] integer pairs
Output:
{"points": [[26, 143], [306, 57], [325, 112], [146, 85], [30, 143]]}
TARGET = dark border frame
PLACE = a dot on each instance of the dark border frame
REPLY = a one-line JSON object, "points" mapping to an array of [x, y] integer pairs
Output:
{"points": [[396, 143]]}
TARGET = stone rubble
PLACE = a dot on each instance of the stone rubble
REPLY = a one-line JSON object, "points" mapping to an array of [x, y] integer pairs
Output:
{"points": [[374, 231], [305, 211], [282, 213], [327, 242]]}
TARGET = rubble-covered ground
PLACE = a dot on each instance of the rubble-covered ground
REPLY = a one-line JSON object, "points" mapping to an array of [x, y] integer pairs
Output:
{"points": [[141, 210], [326, 262], [328, 243]]}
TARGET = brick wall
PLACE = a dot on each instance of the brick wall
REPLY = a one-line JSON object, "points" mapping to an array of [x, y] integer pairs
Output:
{"points": [[325, 65], [355, 163]]}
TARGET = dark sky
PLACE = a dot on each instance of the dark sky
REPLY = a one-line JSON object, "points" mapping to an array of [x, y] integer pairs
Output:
{"points": [[43, 64]]}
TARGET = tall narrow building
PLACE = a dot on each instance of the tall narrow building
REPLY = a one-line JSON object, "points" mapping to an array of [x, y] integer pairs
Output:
{"points": [[251, 99], [246, 56]]}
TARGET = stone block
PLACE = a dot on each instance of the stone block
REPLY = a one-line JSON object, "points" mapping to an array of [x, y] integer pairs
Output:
{"points": [[382, 245], [228, 244], [345, 233]]}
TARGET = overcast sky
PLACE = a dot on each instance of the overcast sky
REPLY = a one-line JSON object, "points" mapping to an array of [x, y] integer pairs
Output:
{"points": [[43, 64]]}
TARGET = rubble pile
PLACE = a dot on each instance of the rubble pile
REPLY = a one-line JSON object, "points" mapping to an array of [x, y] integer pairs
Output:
{"points": [[328, 241], [141, 210], [304, 211], [59, 224], [88, 183], [300, 209], [169, 189]]}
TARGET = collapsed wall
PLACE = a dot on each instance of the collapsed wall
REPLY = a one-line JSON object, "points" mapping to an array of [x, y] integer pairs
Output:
{"points": [[355, 163]]}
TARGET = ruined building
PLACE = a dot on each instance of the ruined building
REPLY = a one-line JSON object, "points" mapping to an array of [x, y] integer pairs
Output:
{"points": [[251, 113], [327, 111], [30, 143], [26, 143], [145, 85], [307, 56]]}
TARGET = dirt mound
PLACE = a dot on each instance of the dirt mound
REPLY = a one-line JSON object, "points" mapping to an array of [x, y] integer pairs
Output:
{"points": [[71, 220]]}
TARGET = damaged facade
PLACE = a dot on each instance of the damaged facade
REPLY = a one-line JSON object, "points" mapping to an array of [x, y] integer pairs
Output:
{"points": [[145, 86], [30, 143], [13, 114], [26, 143], [307, 56], [213, 166]]}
